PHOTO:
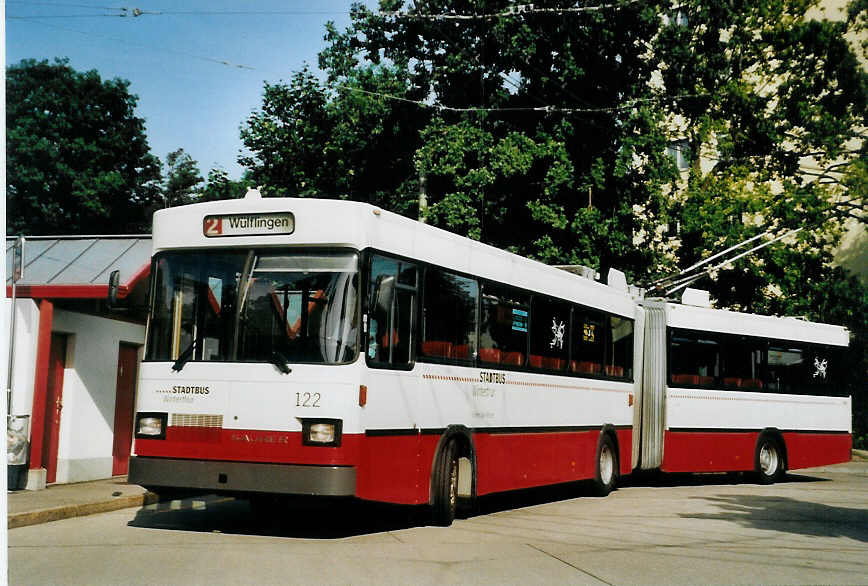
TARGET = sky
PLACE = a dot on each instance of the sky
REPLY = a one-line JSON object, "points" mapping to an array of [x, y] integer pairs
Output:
{"points": [[198, 73]]}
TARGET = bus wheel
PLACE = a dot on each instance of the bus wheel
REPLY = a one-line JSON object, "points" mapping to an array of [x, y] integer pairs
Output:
{"points": [[769, 460], [606, 472], [445, 487]]}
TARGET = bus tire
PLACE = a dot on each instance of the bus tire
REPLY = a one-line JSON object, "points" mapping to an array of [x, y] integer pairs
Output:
{"points": [[606, 469], [769, 460], [445, 486]]}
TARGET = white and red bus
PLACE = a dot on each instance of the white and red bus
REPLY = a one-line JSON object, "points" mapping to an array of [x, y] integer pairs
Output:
{"points": [[322, 347]]}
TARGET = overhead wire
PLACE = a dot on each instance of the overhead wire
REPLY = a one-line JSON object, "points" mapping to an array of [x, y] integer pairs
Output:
{"points": [[143, 46], [516, 11]]}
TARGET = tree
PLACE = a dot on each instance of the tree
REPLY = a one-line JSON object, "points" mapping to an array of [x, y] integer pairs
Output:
{"points": [[77, 157], [220, 186], [182, 179], [308, 140], [545, 130], [527, 117]]}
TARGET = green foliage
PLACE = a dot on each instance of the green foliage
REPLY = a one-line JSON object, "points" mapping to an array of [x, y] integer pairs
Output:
{"points": [[182, 180], [307, 141], [220, 186], [546, 132], [77, 157]]}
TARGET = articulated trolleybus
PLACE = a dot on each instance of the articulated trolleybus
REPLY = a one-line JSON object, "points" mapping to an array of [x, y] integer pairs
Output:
{"points": [[321, 347]]}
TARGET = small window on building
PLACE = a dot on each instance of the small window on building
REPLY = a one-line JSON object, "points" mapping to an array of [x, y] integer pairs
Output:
{"points": [[676, 16], [678, 150]]}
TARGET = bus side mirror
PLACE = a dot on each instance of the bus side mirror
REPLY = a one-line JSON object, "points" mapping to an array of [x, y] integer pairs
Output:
{"points": [[113, 287]]}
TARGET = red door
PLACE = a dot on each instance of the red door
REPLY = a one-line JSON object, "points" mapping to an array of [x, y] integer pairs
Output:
{"points": [[126, 390], [53, 405]]}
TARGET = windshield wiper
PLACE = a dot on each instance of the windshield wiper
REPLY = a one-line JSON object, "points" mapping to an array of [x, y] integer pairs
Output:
{"points": [[185, 357], [281, 362]]}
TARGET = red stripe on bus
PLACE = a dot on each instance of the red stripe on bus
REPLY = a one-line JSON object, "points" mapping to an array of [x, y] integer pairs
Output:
{"points": [[708, 451], [397, 468], [513, 461], [805, 450], [721, 451], [211, 443]]}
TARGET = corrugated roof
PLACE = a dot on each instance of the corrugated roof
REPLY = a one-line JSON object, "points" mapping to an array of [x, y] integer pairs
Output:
{"points": [[79, 260]]}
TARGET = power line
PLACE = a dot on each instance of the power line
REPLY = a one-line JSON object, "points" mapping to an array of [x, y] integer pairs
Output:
{"points": [[519, 10], [142, 46], [543, 109], [63, 16], [62, 4], [237, 12], [548, 109]]}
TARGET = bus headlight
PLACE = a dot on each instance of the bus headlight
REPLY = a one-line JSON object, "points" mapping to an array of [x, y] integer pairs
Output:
{"points": [[321, 432], [151, 425]]}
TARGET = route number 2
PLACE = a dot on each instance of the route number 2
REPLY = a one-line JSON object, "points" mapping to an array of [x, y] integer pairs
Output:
{"points": [[213, 226]]}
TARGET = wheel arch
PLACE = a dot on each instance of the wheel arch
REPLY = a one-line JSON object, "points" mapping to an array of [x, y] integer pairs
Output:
{"points": [[775, 434], [463, 438], [610, 431]]}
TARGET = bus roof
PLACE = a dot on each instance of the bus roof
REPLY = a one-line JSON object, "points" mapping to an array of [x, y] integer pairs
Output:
{"points": [[337, 223], [751, 324]]}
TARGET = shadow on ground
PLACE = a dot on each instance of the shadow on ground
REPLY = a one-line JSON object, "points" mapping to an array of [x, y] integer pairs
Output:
{"points": [[332, 518], [788, 515], [323, 518]]}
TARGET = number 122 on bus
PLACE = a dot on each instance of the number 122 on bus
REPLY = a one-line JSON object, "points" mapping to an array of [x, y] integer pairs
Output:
{"points": [[348, 351]]}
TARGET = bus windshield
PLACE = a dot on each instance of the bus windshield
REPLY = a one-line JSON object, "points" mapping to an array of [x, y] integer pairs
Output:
{"points": [[254, 306]]}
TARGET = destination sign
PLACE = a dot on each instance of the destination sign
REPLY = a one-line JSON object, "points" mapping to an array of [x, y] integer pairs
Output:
{"points": [[267, 224]]}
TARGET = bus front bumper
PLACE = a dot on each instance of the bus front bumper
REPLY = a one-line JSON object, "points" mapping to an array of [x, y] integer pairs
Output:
{"points": [[156, 473]]}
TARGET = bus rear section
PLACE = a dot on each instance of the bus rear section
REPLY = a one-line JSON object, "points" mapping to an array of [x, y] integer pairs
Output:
{"points": [[731, 392]]}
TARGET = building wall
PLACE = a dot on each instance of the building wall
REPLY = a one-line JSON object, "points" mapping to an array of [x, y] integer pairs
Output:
{"points": [[89, 384], [24, 359], [89, 387]]}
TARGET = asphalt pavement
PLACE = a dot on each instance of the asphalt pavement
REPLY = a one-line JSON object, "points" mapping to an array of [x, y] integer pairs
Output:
{"points": [[64, 501]]}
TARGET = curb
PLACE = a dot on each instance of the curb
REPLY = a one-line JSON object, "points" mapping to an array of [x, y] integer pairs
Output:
{"points": [[16, 520]]}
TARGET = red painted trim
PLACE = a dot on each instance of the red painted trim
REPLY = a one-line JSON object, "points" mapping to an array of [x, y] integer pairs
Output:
{"points": [[397, 468], [513, 461], [59, 291], [40, 386], [141, 275], [78, 291], [708, 451], [281, 447], [625, 450], [805, 450], [735, 451]]}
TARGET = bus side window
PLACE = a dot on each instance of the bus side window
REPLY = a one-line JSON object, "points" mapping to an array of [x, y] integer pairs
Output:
{"points": [[619, 355], [694, 359], [391, 308], [503, 325], [448, 328]]}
